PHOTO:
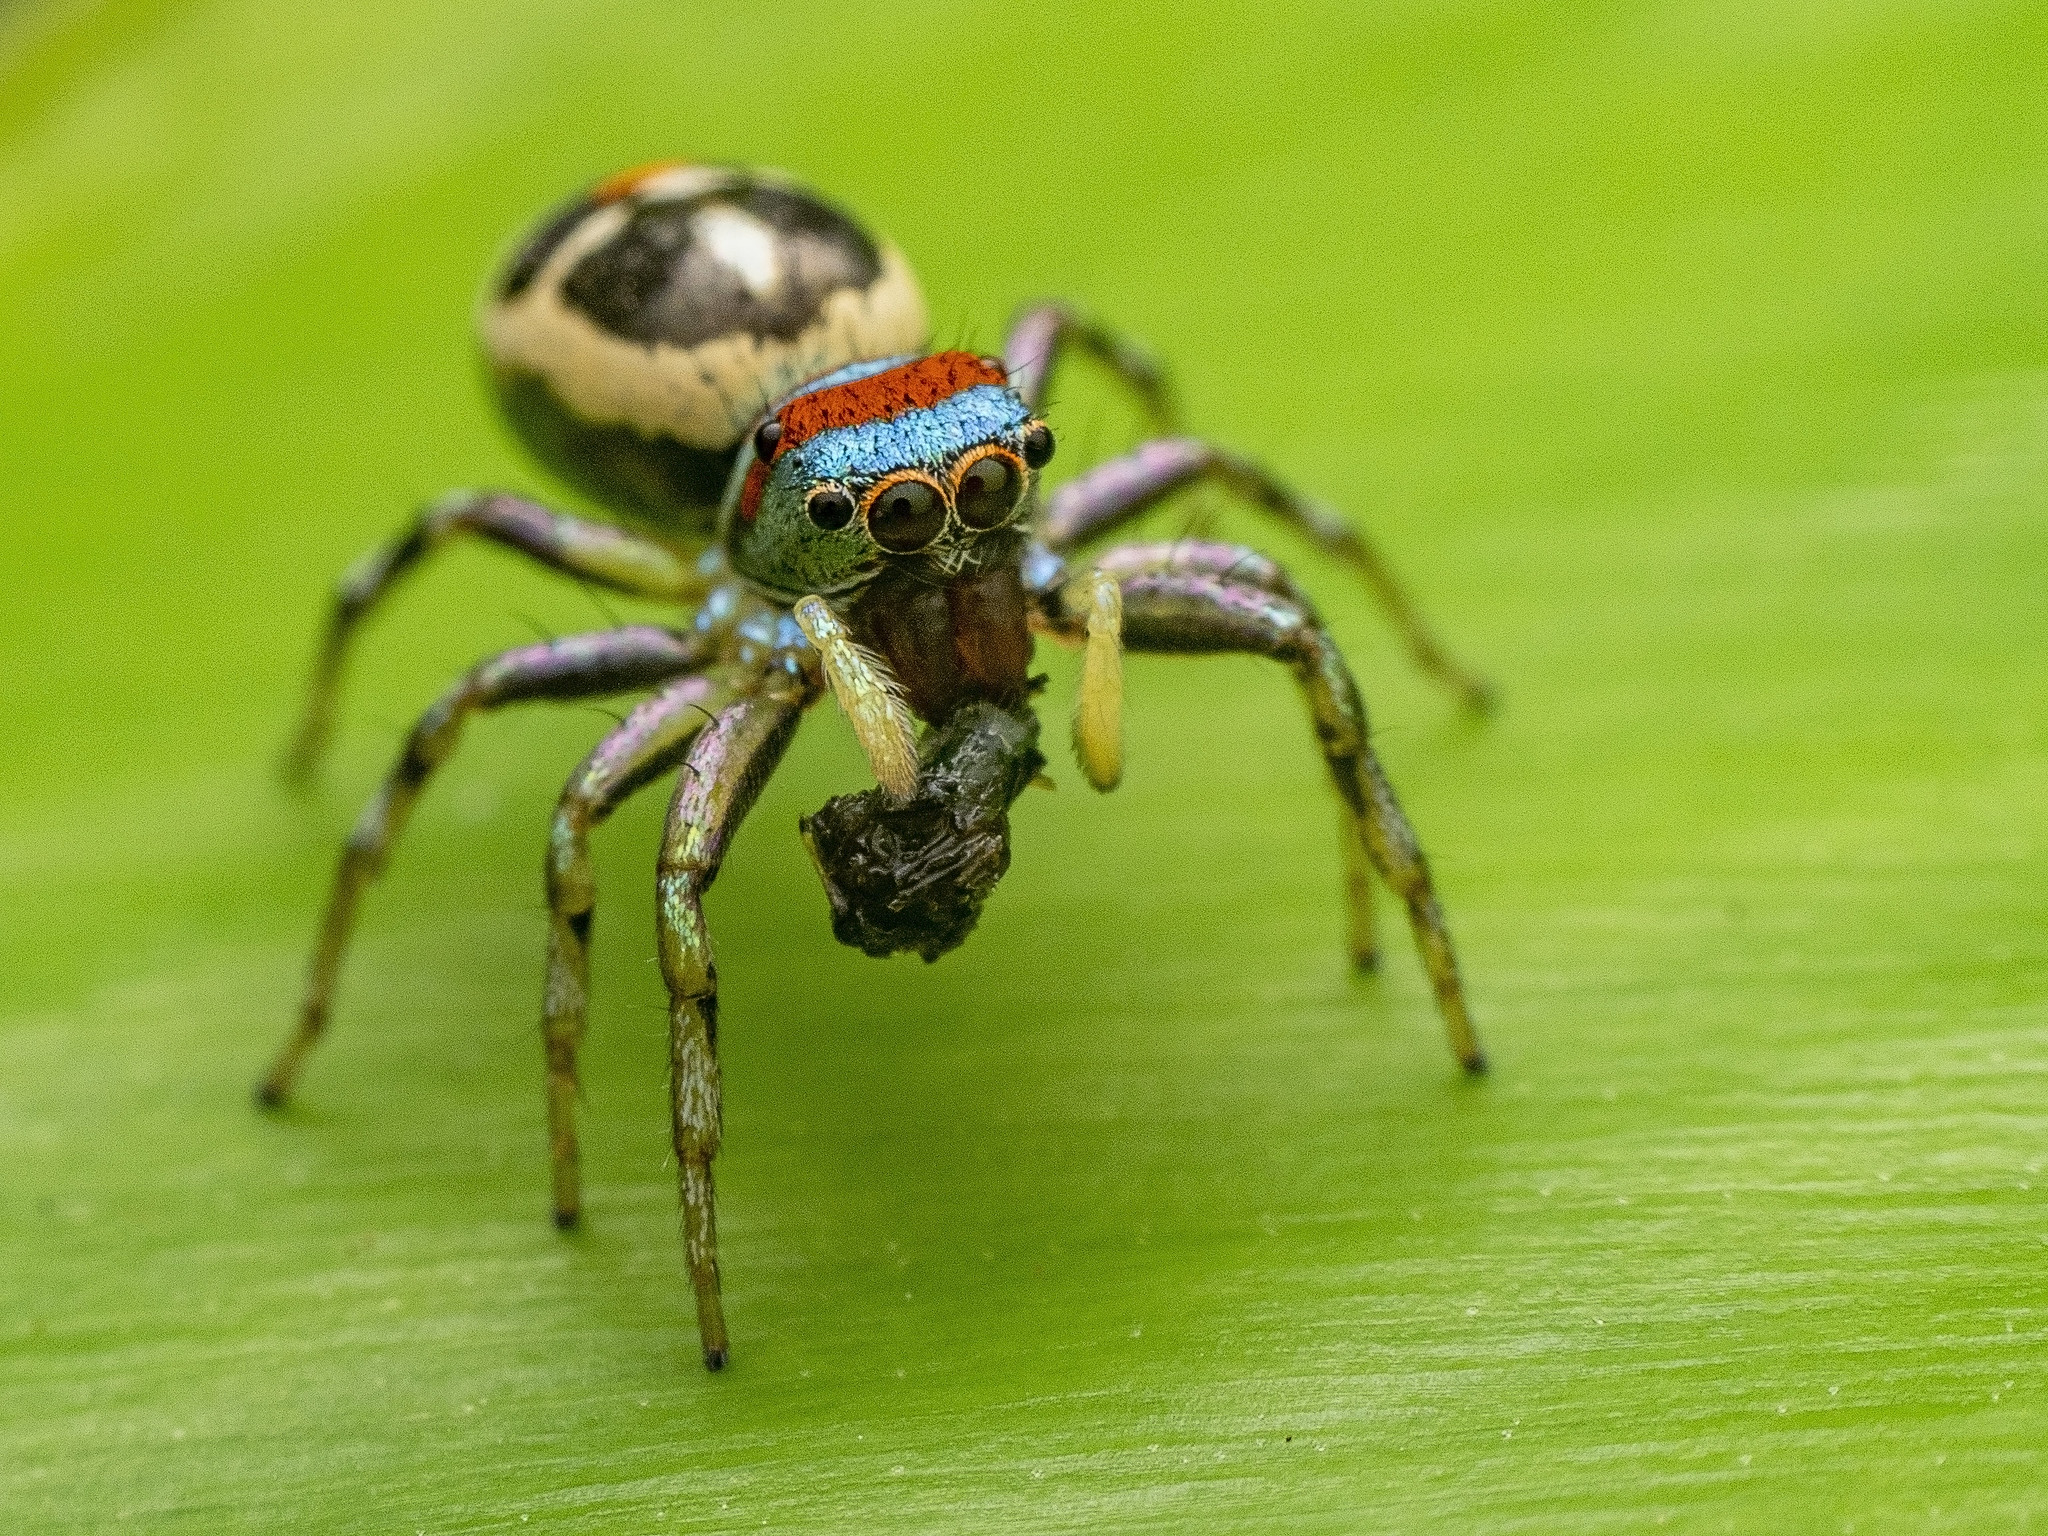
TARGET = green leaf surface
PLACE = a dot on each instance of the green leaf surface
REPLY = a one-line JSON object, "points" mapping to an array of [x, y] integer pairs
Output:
{"points": [[1690, 359]]}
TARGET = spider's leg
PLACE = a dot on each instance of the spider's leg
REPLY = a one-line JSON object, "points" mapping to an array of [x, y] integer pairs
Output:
{"points": [[1235, 563], [1113, 493], [726, 767], [1241, 566], [1040, 334], [595, 552], [576, 667], [1361, 929], [650, 741], [1202, 614]]}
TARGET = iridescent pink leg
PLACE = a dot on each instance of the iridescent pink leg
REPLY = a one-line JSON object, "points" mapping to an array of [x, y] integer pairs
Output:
{"points": [[650, 741], [1245, 567], [725, 770], [1110, 495], [1201, 614], [1043, 333], [594, 552], [1235, 563], [577, 667]]}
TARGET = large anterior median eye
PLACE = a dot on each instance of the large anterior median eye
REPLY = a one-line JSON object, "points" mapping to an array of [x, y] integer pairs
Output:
{"points": [[905, 514], [986, 488]]}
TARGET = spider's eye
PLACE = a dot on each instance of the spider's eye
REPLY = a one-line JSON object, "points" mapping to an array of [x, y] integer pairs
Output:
{"points": [[766, 436], [1038, 445], [987, 491], [906, 515], [829, 507]]}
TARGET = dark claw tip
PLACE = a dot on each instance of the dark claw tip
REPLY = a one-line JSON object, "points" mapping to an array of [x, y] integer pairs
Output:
{"points": [[1476, 1065], [269, 1095], [1366, 965], [568, 1221], [714, 1359]]}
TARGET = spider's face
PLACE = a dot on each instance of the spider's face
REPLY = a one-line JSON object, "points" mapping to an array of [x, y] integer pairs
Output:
{"points": [[921, 462]]}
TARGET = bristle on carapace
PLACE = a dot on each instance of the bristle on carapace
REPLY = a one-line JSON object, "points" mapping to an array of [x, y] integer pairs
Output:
{"points": [[883, 396]]}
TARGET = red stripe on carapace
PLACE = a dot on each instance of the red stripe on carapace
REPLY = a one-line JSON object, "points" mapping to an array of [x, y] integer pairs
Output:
{"points": [[883, 396], [886, 395], [623, 185]]}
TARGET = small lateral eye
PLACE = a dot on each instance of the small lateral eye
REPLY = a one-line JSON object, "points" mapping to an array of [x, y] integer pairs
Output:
{"points": [[766, 436], [905, 515], [986, 493], [1038, 445], [829, 507]]}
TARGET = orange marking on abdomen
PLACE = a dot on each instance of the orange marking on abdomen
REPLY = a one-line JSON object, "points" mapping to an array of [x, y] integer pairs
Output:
{"points": [[623, 185]]}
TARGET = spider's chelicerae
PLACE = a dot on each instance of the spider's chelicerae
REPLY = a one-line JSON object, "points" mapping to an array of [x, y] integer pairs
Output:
{"points": [[738, 370]]}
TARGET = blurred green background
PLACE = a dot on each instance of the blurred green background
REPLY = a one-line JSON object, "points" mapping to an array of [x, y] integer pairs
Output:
{"points": [[1691, 360]]}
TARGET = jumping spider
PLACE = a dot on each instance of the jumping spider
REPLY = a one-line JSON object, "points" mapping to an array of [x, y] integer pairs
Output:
{"points": [[738, 370]]}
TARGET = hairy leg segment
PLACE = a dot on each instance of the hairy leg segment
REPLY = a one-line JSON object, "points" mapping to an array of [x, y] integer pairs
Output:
{"points": [[650, 741], [594, 552], [577, 667], [1044, 333], [1204, 614], [726, 767], [1240, 566], [1112, 494], [1235, 563]]}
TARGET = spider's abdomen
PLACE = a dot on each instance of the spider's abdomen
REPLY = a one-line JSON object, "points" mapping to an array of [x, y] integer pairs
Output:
{"points": [[636, 334]]}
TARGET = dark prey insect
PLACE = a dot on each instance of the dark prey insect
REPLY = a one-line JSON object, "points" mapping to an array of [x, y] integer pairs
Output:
{"points": [[737, 370]]}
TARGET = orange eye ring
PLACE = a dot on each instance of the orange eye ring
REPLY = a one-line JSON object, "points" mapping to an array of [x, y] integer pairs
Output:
{"points": [[982, 497], [906, 512]]}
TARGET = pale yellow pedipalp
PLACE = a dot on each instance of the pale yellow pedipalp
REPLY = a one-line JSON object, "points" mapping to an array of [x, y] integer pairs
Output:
{"points": [[869, 695], [1099, 712]]}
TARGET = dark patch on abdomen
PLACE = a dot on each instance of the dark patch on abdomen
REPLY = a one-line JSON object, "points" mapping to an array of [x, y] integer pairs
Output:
{"points": [[541, 245], [666, 484], [655, 283]]}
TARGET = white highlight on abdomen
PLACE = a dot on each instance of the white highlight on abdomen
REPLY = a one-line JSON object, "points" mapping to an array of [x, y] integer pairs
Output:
{"points": [[743, 243]]}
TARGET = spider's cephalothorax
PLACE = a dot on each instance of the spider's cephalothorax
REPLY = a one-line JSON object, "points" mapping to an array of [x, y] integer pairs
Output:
{"points": [[710, 351], [895, 489]]}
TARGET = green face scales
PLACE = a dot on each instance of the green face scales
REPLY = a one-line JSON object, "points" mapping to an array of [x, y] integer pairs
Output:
{"points": [[737, 371]]}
